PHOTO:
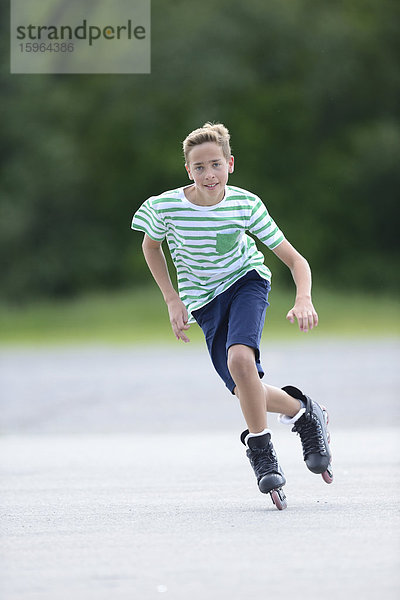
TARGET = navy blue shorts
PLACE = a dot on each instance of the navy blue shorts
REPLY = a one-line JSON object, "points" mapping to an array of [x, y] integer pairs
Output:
{"points": [[235, 317]]}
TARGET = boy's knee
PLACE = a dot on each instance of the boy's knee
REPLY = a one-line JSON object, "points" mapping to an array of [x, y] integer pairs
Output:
{"points": [[241, 361]]}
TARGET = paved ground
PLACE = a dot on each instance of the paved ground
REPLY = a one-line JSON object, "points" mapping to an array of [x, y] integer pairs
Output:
{"points": [[122, 477]]}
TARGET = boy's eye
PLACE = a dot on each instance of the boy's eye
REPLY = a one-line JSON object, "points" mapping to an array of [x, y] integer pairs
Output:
{"points": [[198, 168]]}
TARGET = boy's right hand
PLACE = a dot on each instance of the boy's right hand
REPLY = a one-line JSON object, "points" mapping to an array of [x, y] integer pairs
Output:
{"points": [[178, 317]]}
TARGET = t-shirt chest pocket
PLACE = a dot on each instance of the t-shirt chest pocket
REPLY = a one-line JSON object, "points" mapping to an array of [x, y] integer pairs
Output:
{"points": [[226, 241]]}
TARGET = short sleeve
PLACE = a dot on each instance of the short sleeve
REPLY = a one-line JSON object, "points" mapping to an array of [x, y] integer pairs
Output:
{"points": [[263, 226], [149, 220]]}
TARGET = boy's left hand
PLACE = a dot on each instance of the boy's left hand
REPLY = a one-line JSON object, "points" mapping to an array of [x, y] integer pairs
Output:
{"points": [[305, 313]]}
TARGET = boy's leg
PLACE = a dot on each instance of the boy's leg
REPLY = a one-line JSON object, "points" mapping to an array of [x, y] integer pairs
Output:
{"points": [[249, 389], [257, 398], [279, 401], [257, 439]]}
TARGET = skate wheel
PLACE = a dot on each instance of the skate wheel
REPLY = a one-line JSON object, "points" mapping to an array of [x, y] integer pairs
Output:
{"points": [[326, 419], [279, 499], [325, 413], [327, 475]]}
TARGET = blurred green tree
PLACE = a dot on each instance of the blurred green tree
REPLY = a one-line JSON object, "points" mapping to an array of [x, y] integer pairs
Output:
{"points": [[310, 92]]}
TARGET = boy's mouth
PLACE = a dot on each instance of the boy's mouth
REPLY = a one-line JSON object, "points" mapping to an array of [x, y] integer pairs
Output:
{"points": [[211, 186]]}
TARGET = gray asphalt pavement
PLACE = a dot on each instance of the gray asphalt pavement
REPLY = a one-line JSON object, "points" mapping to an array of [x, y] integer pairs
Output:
{"points": [[122, 477]]}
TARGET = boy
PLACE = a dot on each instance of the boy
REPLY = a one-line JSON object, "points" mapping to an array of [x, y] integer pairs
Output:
{"points": [[223, 285]]}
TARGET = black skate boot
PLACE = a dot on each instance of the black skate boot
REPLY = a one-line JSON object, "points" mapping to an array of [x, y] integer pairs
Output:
{"points": [[310, 423], [270, 477]]}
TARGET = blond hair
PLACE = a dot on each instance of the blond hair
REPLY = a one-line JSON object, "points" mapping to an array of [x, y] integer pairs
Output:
{"points": [[210, 132]]}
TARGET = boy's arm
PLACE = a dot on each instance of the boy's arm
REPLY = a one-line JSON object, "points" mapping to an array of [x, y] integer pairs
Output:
{"points": [[303, 309], [157, 264]]}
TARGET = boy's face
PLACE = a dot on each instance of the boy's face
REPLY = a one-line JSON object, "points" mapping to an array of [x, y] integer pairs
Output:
{"points": [[209, 169]]}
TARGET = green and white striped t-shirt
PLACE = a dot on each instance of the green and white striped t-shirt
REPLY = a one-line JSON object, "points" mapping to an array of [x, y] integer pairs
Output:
{"points": [[208, 244]]}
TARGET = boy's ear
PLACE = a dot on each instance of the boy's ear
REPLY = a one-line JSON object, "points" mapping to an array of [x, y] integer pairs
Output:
{"points": [[231, 164], [188, 171]]}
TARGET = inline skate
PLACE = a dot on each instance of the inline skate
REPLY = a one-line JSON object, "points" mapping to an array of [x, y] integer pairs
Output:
{"points": [[310, 423], [262, 456]]}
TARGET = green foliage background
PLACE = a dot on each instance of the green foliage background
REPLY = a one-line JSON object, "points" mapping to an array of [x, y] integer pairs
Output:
{"points": [[310, 92]]}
